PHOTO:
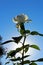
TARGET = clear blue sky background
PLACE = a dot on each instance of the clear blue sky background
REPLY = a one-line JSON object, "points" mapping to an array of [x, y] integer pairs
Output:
{"points": [[11, 8]]}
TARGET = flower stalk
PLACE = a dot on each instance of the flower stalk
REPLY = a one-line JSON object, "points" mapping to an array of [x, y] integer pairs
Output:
{"points": [[23, 50]]}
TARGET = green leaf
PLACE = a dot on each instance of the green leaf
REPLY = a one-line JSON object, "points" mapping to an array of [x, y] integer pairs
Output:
{"points": [[25, 62], [17, 39], [35, 47], [26, 56], [17, 59], [27, 31], [33, 63], [13, 52], [22, 32], [26, 49], [40, 60], [36, 33]]}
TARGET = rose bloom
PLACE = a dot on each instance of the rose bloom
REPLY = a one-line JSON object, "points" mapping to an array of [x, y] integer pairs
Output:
{"points": [[22, 18], [19, 19]]}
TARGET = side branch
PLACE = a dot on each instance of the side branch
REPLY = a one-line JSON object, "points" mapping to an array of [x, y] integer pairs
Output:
{"points": [[7, 42]]}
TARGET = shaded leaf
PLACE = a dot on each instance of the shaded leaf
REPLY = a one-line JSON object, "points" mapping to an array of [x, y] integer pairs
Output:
{"points": [[7, 42], [0, 39], [22, 32], [18, 63], [33, 63], [26, 49], [26, 56], [13, 52], [17, 39], [35, 47], [7, 63], [17, 59], [40, 60], [2, 51], [25, 62], [27, 31], [36, 33], [0, 63]]}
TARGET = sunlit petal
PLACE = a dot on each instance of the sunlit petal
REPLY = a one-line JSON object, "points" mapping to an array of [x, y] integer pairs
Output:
{"points": [[21, 18]]}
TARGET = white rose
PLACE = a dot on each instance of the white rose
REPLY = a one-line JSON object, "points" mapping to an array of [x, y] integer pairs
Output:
{"points": [[21, 18]]}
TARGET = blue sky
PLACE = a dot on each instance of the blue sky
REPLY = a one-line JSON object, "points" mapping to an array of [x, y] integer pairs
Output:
{"points": [[11, 8]]}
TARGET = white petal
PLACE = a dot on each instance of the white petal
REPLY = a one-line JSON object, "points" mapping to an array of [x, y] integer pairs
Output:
{"points": [[26, 17], [14, 20]]}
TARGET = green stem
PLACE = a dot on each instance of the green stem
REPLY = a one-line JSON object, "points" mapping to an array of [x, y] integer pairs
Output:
{"points": [[23, 50]]}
